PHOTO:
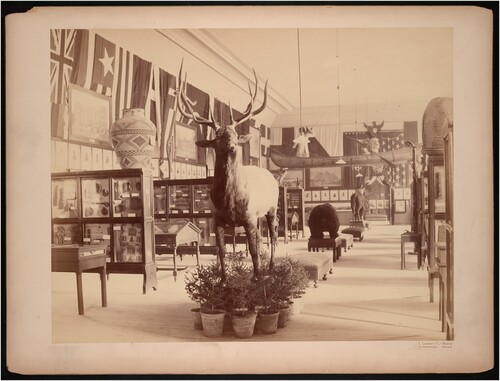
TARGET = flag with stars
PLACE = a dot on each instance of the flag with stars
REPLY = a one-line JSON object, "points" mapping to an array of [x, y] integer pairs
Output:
{"points": [[397, 174], [104, 66], [61, 62]]}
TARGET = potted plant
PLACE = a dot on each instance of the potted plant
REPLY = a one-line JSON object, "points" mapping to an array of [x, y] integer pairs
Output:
{"points": [[210, 292], [193, 289], [266, 298], [300, 281], [283, 284], [240, 297]]}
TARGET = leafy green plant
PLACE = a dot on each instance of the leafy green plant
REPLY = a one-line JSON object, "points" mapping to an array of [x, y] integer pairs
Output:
{"points": [[204, 286], [240, 289]]}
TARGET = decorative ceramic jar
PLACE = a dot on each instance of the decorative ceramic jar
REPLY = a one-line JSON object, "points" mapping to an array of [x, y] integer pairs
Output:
{"points": [[438, 115], [133, 139]]}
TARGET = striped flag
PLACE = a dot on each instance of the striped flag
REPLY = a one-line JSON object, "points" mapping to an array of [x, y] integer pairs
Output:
{"points": [[61, 62], [122, 86], [103, 66]]}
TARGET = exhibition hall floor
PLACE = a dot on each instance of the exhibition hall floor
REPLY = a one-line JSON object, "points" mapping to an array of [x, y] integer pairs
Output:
{"points": [[368, 297]]}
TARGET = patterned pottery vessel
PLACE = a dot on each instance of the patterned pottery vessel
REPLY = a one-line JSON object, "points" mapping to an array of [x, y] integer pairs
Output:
{"points": [[133, 139], [438, 115]]}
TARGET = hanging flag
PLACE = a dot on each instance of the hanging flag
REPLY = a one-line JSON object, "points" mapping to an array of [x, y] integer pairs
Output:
{"points": [[81, 56], [104, 66], [122, 86], [167, 101], [61, 62], [140, 82]]}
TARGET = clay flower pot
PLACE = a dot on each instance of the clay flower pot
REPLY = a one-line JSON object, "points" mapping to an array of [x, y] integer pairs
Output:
{"points": [[196, 314], [213, 323], [243, 325], [284, 316], [268, 321]]}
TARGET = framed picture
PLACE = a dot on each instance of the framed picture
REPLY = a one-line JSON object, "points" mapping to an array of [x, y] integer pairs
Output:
{"points": [[188, 171], [398, 193], [387, 204], [96, 159], [343, 195], [325, 177], [325, 195], [107, 159], [177, 170], [350, 192], [61, 161], [307, 196], [293, 178], [439, 189], [400, 206], [183, 169], [86, 158], [89, 116], [373, 204], [199, 172], [74, 156], [380, 204], [407, 193], [316, 196], [185, 147], [334, 195]]}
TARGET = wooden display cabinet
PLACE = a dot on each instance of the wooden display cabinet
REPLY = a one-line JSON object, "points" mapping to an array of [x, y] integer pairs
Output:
{"points": [[295, 204], [112, 207], [187, 200]]}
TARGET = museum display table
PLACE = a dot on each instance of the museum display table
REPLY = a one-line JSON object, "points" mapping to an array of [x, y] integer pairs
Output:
{"points": [[80, 258], [169, 235]]}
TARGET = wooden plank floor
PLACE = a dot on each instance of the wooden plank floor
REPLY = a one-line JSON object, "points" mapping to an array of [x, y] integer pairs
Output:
{"points": [[367, 298]]}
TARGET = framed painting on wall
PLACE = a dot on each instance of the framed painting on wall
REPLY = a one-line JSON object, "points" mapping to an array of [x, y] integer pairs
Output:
{"points": [[316, 196], [325, 177], [398, 193], [307, 196], [74, 156], [350, 192], [373, 204], [407, 193], [343, 195], [325, 195], [400, 206], [334, 195], [380, 204], [86, 158], [89, 116], [107, 159], [96, 159], [293, 178], [185, 147]]}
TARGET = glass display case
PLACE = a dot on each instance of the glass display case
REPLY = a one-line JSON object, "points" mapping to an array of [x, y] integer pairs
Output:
{"points": [[65, 198], [114, 207], [186, 200], [295, 203]]}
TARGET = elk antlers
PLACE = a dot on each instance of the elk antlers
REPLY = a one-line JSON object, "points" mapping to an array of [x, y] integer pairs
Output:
{"points": [[186, 106]]}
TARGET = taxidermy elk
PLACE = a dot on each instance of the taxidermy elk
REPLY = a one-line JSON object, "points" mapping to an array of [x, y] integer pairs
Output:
{"points": [[240, 195], [358, 204]]}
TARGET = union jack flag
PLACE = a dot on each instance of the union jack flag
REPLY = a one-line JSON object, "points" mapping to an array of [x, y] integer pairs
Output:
{"points": [[61, 62]]}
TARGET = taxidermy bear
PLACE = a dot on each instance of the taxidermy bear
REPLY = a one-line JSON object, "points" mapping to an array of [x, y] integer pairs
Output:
{"points": [[324, 218]]}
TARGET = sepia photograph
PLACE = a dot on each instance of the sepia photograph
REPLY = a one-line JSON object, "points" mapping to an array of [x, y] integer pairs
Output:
{"points": [[176, 229]]}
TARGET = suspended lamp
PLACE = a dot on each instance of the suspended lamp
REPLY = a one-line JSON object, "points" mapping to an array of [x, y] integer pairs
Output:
{"points": [[340, 160]]}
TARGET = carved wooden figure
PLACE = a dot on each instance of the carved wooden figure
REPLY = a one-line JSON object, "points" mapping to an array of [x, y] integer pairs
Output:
{"points": [[240, 195]]}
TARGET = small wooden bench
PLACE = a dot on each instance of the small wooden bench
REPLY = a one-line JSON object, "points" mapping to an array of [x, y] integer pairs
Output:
{"points": [[317, 265], [356, 232], [314, 244], [347, 241]]}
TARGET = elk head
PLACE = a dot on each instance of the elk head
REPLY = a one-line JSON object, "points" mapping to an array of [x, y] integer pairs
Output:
{"points": [[226, 138]]}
